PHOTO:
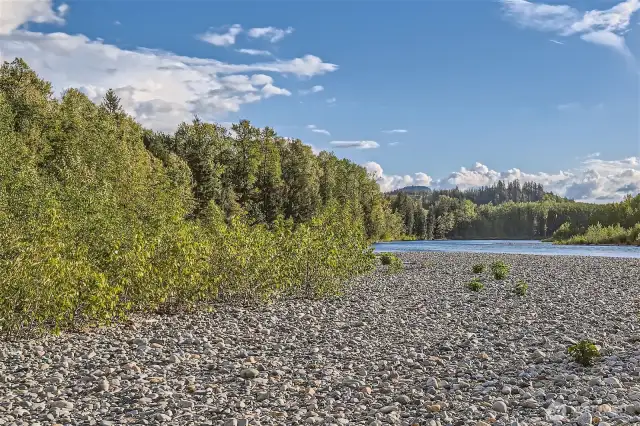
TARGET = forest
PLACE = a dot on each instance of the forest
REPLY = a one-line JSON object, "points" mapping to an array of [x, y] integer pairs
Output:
{"points": [[100, 217], [514, 211]]}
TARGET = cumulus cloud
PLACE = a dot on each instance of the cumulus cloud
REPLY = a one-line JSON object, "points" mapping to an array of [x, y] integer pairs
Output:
{"points": [[255, 52], [331, 101], [160, 89], [355, 144], [15, 13], [395, 131], [314, 89], [227, 38], [604, 27], [272, 34], [315, 129], [608, 38], [270, 90], [595, 180], [391, 182]]}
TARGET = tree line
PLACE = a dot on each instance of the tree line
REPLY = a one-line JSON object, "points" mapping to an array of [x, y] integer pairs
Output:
{"points": [[510, 211], [100, 217]]}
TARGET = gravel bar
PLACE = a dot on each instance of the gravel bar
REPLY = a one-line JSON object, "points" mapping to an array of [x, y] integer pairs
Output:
{"points": [[412, 348]]}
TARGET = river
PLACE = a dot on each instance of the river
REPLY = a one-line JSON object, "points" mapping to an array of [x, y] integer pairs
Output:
{"points": [[508, 246]]}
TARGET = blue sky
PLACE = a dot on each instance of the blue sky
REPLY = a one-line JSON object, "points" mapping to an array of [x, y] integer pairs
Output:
{"points": [[481, 90]]}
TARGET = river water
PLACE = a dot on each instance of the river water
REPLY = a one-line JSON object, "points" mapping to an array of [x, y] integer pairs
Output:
{"points": [[508, 246]]}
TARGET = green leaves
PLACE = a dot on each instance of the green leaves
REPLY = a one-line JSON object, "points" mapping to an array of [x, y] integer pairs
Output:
{"points": [[475, 285], [521, 288], [393, 263], [499, 269], [584, 352], [100, 217], [478, 268]]}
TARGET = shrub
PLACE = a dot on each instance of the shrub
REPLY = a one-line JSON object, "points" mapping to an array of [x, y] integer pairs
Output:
{"points": [[584, 352], [478, 269], [100, 218], [500, 270], [392, 261], [386, 258], [475, 285], [598, 234], [521, 288]]}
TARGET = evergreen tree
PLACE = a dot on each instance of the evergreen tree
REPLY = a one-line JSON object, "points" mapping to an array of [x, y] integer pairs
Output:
{"points": [[111, 102]]}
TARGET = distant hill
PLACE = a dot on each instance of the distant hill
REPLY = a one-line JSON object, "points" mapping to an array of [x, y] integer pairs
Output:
{"points": [[412, 188]]}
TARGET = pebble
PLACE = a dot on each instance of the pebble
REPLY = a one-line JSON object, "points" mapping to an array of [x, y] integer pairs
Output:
{"points": [[584, 419], [499, 406], [414, 347]]}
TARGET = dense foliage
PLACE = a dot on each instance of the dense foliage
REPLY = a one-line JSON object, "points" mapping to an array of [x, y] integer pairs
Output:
{"points": [[392, 262], [100, 217], [511, 211], [584, 352]]}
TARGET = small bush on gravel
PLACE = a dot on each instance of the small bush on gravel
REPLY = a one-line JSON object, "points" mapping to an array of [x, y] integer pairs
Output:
{"points": [[392, 261], [475, 285], [584, 352], [521, 288], [478, 269], [500, 270], [386, 258]]}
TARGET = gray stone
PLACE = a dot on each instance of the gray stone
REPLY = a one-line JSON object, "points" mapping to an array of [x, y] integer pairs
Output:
{"points": [[249, 373], [499, 406]]}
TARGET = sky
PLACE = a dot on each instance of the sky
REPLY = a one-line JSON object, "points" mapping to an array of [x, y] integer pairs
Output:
{"points": [[424, 92]]}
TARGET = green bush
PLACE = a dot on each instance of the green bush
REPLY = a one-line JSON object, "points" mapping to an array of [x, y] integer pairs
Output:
{"points": [[500, 270], [392, 261], [598, 234], [475, 285], [521, 288], [100, 217], [584, 352], [386, 258], [478, 268]]}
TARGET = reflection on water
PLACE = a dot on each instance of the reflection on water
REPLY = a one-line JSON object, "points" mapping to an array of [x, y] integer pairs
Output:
{"points": [[509, 246]]}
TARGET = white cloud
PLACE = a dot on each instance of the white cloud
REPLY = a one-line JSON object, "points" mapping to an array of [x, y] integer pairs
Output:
{"points": [[593, 155], [555, 41], [604, 27], [331, 101], [355, 144], [395, 131], [223, 39], [393, 143], [272, 34], [315, 129], [63, 9], [595, 180], [117, 23], [255, 52], [389, 183], [607, 38], [270, 90], [14, 13], [314, 89], [160, 89], [568, 106]]}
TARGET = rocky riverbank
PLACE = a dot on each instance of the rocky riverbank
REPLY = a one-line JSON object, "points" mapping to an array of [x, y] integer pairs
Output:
{"points": [[415, 347]]}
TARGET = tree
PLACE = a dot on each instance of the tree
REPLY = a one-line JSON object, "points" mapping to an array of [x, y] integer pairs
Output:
{"points": [[269, 185], [111, 102]]}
